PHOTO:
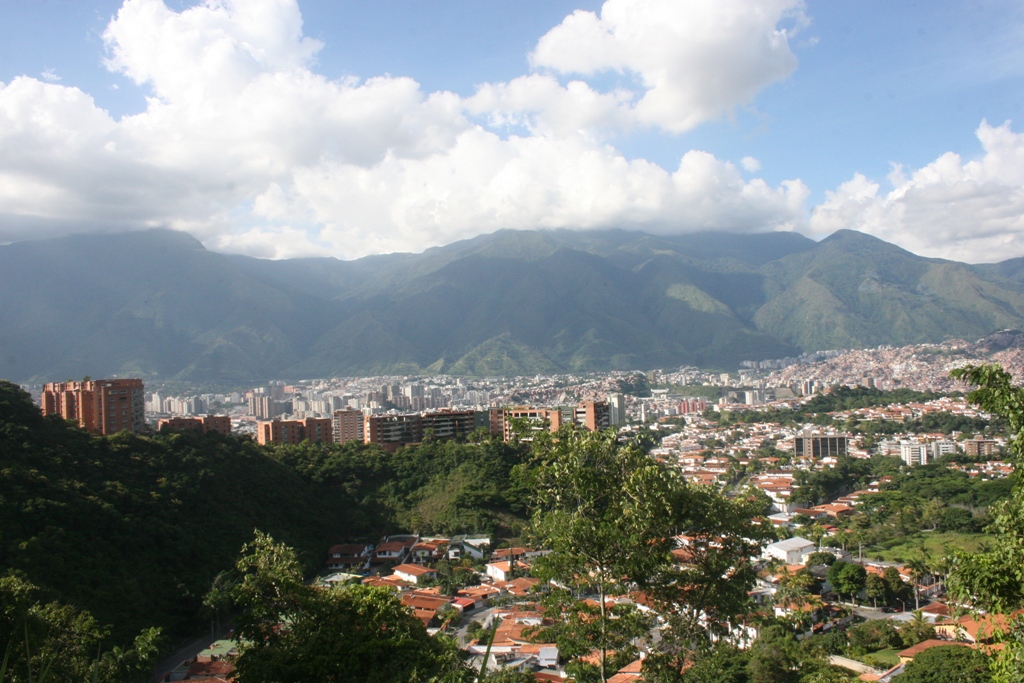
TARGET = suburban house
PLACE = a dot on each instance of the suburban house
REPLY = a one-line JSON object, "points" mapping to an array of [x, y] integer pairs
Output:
{"points": [[790, 551], [414, 573]]}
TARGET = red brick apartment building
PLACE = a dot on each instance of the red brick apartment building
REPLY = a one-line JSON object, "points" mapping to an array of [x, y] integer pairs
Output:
{"points": [[315, 429], [103, 406], [210, 423]]}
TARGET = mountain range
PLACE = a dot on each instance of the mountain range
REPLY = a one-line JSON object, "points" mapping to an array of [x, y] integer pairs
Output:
{"points": [[158, 305]]}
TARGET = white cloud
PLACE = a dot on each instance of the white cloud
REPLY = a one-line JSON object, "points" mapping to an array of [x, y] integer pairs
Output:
{"points": [[242, 144], [966, 211], [750, 164], [696, 60]]}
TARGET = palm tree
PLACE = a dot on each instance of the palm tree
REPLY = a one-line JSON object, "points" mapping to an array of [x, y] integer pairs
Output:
{"points": [[918, 570]]}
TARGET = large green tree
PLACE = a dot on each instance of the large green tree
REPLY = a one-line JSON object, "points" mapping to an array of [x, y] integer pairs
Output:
{"points": [[992, 580], [291, 632], [604, 510], [46, 640], [948, 664]]}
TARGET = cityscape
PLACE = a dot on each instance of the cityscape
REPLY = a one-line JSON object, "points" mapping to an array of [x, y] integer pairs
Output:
{"points": [[573, 341]]}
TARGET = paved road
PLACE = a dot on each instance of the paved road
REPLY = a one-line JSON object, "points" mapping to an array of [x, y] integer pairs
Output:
{"points": [[869, 613], [188, 651], [852, 665]]}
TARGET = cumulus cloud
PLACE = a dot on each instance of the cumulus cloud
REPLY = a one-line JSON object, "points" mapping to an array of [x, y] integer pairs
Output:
{"points": [[696, 60], [962, 210], [244, 145]]}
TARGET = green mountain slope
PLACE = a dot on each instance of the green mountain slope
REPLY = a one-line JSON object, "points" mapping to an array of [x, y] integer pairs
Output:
{"points": [[157, 304]]}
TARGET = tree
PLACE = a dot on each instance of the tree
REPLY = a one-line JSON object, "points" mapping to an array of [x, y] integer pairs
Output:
{"points": [[918, 570], [875, 587], [846, 578], [993, 579], [948, 664], [773, 657], [896, 587], [57, 642], [603, 509], [872, 635], [821, 557], [917, 630], [290, 632], [706, 593]]}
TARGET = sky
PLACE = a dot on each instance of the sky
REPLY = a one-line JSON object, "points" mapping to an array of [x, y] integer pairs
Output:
{"points": [[285, 128]]}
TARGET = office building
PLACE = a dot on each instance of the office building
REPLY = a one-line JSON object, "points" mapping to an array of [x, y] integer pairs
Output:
{"points": [[104, 406]]}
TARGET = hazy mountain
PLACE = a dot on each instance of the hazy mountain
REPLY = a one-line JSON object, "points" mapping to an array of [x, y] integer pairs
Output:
{"points": [[158, 304]]}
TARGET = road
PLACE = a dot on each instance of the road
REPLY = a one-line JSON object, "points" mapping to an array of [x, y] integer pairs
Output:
{"points": [[188, 651], [852, 665]]}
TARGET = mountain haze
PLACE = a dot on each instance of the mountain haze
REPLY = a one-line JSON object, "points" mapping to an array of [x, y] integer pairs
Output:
{"points": [[157, 304]]}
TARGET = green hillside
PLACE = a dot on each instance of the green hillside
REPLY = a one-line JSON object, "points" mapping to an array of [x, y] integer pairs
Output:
{"points": [[158, 305], [135, 529]]}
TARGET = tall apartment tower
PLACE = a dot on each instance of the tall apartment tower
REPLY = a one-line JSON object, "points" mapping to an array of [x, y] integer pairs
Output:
{"points": [[617, 409], [348, 425], [594, 415], [103, 406]]}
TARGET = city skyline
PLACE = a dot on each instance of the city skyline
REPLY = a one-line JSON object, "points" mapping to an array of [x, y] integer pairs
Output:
{"points": [[281, 128]]}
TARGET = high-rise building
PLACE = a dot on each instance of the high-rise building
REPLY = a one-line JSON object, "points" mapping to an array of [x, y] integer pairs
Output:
{"points": [[348, 425], [617, 409], [395, 430], [914, 453], [814, 445], [103, 406], [980, 446], [594, 415]]}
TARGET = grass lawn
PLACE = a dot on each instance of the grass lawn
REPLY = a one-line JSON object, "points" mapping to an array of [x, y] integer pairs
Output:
{"points": [[930, 544], [883, 659]]}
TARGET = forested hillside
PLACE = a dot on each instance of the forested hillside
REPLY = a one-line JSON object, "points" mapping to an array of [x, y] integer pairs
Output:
{"points": [[158, 305], [135, 529]]}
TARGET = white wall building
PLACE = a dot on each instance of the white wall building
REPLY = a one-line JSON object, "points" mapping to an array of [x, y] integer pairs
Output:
{"points": [[790, 551]]}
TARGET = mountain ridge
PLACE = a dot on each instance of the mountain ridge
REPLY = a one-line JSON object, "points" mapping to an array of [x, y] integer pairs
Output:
{"points": [[158, 305]]}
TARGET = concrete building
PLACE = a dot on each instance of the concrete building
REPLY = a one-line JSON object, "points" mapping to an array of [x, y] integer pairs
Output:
{"points": [[315, 429], [348, 425], [817, 446], [594, 415], [791, 550], [914, 453], [104, 406], [395, 430], [617, 409], [941, 448], [505, 422], [209, 423], [979, 446]]}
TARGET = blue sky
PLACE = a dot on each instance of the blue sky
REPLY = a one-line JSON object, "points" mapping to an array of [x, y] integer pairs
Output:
{"points": [[410, 124]]}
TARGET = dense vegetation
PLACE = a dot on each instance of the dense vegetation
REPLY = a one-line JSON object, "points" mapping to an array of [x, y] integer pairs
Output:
{"points": [[135, 529], [479, 307]]}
